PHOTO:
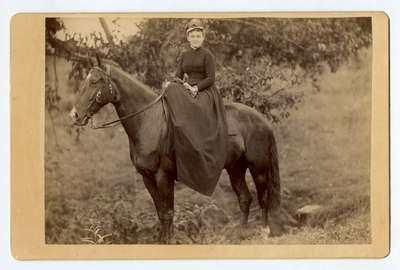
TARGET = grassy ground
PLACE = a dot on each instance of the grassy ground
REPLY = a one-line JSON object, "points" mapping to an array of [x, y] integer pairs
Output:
{"points": [[324, 153]]}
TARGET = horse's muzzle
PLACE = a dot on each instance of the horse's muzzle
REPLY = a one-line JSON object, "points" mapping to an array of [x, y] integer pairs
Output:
{"points": [[74, 116]]}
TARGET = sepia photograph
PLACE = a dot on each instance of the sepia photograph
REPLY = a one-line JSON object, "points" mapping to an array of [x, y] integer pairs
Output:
{"points": [[202, 136], [242, 130]]}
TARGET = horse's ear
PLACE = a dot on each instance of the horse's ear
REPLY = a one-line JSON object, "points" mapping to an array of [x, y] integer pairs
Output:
{"points": [[91, 62], [94, 62], [98, 59]]}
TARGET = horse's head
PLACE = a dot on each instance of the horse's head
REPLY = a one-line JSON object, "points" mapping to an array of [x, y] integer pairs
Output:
{"points": [[97, 91]]}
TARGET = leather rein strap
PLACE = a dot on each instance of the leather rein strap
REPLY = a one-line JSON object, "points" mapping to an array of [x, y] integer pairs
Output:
{"points": [[107, 124]]}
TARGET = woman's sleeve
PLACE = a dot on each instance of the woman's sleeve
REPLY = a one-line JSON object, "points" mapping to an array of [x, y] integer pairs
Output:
{"points": [[179, 72], [209, 66]]}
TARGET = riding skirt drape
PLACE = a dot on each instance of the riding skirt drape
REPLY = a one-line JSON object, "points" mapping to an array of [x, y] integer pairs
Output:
{"points": [[198, 136]]}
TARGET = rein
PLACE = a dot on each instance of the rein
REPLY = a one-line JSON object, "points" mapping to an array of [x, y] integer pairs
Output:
{"points": [[107, 124]]}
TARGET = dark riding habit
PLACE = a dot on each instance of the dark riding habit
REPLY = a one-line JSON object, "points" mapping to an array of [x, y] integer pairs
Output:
{"points": [[198, 134]]}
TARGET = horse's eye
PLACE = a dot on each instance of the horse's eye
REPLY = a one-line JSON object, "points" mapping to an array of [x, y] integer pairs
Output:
{"points": [[94, 82]]}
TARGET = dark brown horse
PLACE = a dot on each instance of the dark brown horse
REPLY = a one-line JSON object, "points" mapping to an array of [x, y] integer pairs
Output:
{"points": [[142, 115]]}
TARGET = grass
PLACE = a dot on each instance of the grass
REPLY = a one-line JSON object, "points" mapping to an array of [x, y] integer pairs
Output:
{"points": [[324, 154]]}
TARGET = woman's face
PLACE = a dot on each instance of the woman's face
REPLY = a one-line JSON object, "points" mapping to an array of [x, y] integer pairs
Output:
{"points": [[195, 38]]}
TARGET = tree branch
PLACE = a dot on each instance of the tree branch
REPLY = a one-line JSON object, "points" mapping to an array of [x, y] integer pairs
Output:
{"points": [[110, 38]]}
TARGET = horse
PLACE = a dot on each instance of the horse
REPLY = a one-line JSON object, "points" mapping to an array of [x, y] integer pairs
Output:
{"points": [[141, 112]]}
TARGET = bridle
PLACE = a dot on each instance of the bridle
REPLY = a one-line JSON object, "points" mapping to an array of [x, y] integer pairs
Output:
{"points": [[89, 111], [95, 97]]}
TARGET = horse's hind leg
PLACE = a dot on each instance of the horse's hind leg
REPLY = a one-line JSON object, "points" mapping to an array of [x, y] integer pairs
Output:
{"points": [[260, 180], [265, 173], [237, 173]]}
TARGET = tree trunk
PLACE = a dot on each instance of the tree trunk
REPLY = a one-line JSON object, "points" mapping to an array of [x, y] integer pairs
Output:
{"points": [[113, 47]]}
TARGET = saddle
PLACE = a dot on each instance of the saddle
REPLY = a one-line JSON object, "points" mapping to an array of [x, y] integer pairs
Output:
{"points": [[232, 130]]}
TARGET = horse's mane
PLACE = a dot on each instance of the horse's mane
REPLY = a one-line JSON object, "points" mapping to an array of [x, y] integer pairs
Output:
{"points": [[111, 63], [137, 83]]}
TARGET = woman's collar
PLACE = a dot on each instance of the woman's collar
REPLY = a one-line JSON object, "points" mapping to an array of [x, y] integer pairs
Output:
{"points": [[195, 48]]}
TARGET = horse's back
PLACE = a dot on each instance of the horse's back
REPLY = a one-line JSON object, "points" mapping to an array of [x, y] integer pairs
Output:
{"points": [[245, 118]]}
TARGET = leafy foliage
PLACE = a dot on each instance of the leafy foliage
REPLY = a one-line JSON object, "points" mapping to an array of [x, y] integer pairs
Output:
{"points": [[261, 61], [120, 217], [96, 238]]}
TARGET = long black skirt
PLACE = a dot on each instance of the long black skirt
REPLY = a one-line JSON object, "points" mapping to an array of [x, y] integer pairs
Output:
{"points": [[198, 136]]}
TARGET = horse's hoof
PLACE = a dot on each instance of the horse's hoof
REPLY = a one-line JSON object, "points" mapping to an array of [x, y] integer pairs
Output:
{"points": [[265, 233], [172, 242], [243, 233]]}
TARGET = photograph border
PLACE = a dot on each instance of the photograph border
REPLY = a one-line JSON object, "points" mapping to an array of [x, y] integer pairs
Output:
{"points": [[27, 69]]}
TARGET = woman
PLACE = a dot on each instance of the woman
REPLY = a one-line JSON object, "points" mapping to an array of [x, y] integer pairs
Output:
{"points": [[198, 134]]}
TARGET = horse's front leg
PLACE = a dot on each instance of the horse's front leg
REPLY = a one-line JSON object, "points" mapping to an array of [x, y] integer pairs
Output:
{"points": [[166, 215], [162, 192]]}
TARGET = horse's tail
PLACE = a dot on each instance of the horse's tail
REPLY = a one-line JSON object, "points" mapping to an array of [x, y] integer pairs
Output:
{"points": [[274, 181]]}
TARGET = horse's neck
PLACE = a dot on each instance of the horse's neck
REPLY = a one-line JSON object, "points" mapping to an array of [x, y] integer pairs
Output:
{"points": [[133, 97]]}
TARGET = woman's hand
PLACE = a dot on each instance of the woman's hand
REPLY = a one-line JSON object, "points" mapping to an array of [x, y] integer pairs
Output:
{"points": [[193, 89]]}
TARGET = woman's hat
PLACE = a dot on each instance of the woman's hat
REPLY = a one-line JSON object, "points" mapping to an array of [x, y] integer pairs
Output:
{"points": [[194, 24]]}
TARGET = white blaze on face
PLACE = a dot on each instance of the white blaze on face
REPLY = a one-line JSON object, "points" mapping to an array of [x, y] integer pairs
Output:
{"points": [[73, 114], [88, 76]]}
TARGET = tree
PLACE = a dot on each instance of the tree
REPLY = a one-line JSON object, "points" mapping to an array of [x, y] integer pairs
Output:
{"points": [[262, 62]]}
